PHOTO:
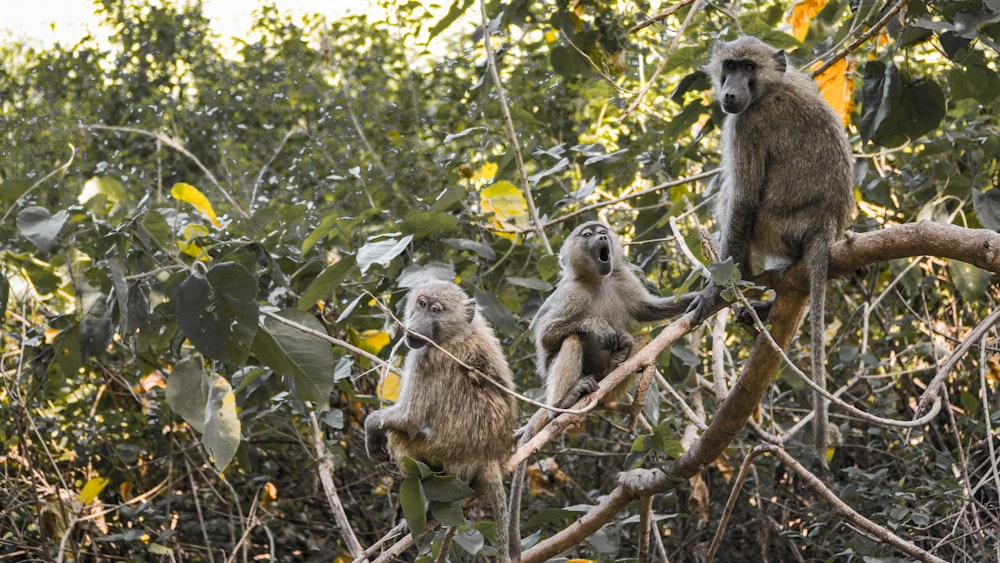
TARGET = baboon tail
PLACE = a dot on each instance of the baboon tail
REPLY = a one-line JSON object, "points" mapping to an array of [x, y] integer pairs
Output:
{"points": [[818, 260]]}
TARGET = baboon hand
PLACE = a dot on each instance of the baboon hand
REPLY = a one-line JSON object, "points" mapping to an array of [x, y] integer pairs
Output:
{"points": [[585, 386], [376, 440], [703, 303], [620, 345]]}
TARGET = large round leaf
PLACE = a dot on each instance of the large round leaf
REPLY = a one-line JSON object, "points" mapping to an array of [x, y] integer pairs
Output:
{"points": [[305, 360], [218, 312]]}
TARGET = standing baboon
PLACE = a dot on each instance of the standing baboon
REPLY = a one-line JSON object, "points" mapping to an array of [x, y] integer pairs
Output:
{"points": [[446, 411], [787, 179], [581, 331]]}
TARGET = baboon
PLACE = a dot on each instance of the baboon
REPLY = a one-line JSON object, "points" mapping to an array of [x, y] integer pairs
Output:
{"points": [[582, 330], [446, 411], [787, 180]]}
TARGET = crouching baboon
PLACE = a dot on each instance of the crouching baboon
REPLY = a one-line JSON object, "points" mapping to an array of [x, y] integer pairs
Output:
{"points": [[787, 179], [582, 330], [445, 410]]}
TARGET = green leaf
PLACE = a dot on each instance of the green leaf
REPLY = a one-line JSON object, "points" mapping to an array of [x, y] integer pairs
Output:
{"points": [[326, 282], [39, 226], [987, 206], [334, 419], [470, 539], [457, 9], [329, 223], [548, 267], [567, 62], [381, 251], [108, 189], [218, 312], [414, 468], [724, 272], [222, 428], [411, 499], [971, 282], [424, 224], [897, 110], [880, 92], [479, 248], [187, 392], [446, 488], [12, 190], [157, 549], [448, 513], [305, 360], [673, 448]]}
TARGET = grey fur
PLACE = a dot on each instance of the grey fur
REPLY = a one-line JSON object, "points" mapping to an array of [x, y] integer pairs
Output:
{"points": [[582, 330], [787, 181], [445, 411]]}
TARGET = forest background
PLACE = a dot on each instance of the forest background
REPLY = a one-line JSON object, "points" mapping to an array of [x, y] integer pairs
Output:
{"points": [[203, 241]]}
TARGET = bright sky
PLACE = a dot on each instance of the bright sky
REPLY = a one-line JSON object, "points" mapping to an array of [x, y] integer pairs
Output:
{"points": [[43, 22]]}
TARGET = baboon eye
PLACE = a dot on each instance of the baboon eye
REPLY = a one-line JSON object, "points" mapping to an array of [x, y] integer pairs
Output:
{"points": [[421, 303], [436, 308], [748, 67], [730, 65]]}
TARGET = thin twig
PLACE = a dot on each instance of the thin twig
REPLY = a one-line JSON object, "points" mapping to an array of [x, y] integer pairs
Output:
{"points": [[177, 146], [509, 123], [659, 17], [970, 340], [472, 371], [666, 58], [332, 340], [325, 470], [731, 503], [633, 195], [58, 169], [864, 37]]}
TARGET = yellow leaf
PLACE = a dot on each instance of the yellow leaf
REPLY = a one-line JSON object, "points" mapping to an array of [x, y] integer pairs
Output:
{"points": [[508, 206], [187, 245], [802, 13], [388, 389], [92, 489], [373, 340], [190, 194], [270, 491], [551, 36], [837, 86], [485, 174]]}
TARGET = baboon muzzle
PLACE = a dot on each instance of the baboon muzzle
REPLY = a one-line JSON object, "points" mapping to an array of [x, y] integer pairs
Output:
{"points": [[602, 256]]}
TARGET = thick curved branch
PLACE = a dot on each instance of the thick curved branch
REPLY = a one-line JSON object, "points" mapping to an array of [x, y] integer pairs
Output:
{"points": [[979, 247]]}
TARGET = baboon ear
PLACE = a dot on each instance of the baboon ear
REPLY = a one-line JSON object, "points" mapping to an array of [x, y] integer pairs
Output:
{"points": [[780, 60], [470, 309]]}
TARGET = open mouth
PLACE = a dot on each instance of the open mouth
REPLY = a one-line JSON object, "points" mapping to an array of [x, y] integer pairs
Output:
{"points": [[604, 254]]}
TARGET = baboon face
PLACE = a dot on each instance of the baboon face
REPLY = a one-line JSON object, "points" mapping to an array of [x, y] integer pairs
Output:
{"points": [[739, 85], [598, 249], [744, 63], [438, 311]]}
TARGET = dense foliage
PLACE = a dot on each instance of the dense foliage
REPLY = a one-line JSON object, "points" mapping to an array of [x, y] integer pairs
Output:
{"points": [[177, 207]]}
